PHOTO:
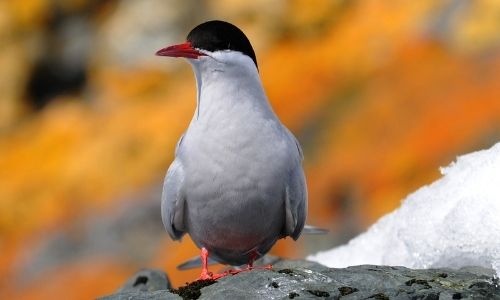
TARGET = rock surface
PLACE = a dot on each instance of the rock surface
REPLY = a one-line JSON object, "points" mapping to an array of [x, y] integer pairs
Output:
{"points": [[308, 280], [147, 281]]}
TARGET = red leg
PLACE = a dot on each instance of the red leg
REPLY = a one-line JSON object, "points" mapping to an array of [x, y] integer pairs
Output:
{"points": [[251, 260], [205, 274]]}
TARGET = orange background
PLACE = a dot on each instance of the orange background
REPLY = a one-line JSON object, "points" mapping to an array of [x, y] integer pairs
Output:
{"points": [[379, 93]]}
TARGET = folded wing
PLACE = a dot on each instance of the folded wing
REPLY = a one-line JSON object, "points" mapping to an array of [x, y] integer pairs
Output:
{"points": [[172, 201]]}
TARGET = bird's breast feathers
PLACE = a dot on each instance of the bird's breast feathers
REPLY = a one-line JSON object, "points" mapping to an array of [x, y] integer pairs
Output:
{"points": [[237, 156]]}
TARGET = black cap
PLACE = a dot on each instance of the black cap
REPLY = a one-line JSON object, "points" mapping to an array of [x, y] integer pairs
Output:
{"points": [[219, 35]]}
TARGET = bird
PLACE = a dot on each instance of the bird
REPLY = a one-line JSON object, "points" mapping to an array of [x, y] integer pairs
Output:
{"points": [[236, 184]]}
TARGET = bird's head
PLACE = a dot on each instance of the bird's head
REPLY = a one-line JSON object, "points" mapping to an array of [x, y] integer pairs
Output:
{"points": [[215, 45]]}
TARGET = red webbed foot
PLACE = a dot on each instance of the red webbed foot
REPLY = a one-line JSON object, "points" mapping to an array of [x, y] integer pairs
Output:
{"points": [[207, 275]]}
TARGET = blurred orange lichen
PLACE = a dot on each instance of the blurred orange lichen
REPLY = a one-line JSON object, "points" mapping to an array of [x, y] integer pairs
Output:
{"points": [[378, 97]]}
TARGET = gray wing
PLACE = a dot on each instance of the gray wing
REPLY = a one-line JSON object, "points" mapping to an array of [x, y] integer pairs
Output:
{"points": [[295, 198], [172, 201]]}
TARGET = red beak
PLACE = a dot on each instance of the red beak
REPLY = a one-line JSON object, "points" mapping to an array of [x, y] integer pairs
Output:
{"points": [[181, 50]]}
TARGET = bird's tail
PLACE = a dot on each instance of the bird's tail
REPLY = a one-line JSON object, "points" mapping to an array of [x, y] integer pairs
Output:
{"points": [[309, 229]]}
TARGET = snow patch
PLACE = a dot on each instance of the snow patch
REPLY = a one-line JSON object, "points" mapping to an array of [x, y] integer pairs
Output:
{"points": [[453, 222]]}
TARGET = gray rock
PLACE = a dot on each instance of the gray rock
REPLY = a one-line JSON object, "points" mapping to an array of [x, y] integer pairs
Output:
{"points": [[147, 281], [156, 295], [299, 279], [145, 284]]}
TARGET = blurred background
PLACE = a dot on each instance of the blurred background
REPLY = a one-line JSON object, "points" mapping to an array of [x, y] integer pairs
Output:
{"points": [[379, 93]]}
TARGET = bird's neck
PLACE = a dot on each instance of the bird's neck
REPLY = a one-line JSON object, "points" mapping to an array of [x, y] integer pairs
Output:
{"points": [[229, 92]]}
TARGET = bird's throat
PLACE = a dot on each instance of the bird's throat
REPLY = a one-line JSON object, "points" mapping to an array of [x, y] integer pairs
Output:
{"points": [[221, 94]]}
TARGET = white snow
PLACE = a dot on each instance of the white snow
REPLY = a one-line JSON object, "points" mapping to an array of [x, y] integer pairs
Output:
{"points": [[453, 222]]}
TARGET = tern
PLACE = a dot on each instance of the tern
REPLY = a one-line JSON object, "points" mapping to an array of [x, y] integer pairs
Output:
{"points": [[237, 183]]}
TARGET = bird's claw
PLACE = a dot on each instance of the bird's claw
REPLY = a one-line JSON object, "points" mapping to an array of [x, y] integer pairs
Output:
{"points": [[205, 275]]}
